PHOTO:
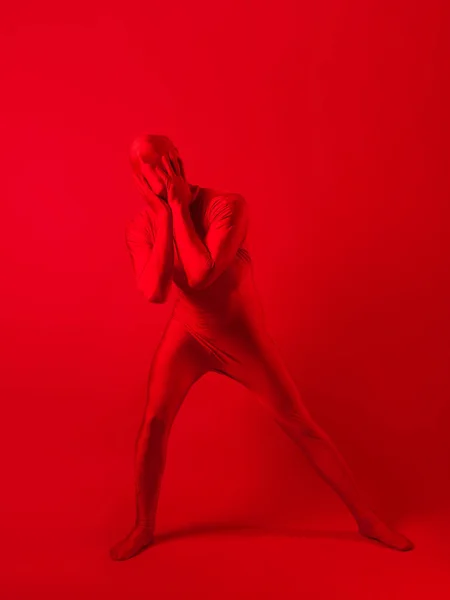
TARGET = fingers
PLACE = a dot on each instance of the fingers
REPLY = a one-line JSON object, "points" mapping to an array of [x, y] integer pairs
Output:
{"points": [[174, 162], [163, 175], [170, 164], [181, 167], [145, 188], [167, 171], [151, 172]]}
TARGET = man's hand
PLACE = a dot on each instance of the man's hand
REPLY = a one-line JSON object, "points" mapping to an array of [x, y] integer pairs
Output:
{"points": [[157, 206], [178, 191]]}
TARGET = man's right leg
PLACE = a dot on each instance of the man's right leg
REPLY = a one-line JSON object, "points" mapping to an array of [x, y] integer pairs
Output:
{"points": [[179, 361]]}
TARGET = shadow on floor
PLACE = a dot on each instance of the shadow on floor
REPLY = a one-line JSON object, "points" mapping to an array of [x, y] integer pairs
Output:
{"points": [[250, 531]]}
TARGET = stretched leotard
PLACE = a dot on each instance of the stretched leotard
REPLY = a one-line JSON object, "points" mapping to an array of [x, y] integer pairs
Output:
{"points": [[219, 327], [225, 318]]}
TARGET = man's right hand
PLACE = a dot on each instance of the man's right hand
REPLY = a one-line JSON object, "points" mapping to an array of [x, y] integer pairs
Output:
{"points": [[157, 206]]}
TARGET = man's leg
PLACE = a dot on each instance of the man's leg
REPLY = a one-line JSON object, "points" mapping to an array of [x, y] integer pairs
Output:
{"points": [[179, 361], [263, 371]]}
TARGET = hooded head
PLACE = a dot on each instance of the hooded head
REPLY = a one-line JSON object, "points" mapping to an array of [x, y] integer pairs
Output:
{"points": [[150, 149]]}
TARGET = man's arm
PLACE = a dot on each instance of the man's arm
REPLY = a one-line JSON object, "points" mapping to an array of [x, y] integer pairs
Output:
{"points": [[151, 249], [204, 261]]}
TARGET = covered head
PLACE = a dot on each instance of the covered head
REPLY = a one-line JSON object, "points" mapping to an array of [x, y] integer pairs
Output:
{"points": [[148, 149]]}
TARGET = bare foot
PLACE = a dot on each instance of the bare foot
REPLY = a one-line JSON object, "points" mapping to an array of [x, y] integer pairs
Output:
{"points": [[137, 540], [375, 529]]}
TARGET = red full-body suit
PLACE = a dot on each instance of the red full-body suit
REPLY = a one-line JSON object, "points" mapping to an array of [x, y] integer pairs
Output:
{"points": [[220, 327]]}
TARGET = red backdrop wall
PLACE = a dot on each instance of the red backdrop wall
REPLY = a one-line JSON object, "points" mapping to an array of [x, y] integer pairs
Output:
{"points": [[331, 118]]}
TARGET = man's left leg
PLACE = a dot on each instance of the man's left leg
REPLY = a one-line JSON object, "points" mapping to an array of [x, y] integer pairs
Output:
{"points": [[263, 371]]}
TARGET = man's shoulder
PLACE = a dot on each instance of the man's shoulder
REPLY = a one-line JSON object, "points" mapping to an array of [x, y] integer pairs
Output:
{"points": [[226, 195], [220, 199], [225, 207]]}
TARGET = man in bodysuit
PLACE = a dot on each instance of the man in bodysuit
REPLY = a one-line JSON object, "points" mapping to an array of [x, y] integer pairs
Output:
{"points": [[195, 237]]}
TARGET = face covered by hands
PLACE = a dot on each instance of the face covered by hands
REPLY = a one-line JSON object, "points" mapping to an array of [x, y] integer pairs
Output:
{"points": [[171, 171], [159, 172]]}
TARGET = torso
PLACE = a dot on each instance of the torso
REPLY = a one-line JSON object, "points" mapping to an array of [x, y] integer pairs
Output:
{"points": [[231, 295]]}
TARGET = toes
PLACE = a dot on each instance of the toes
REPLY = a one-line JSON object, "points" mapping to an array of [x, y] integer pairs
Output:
{"points": [[388, 537], [121, 552]]}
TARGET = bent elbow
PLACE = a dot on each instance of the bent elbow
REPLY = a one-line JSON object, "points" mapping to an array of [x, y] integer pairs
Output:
{"points": [[204, 279], [158, 297], [154, 296], [153, 290]]}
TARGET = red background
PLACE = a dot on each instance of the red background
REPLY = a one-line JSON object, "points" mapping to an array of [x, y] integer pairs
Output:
{"points": [[331, 118]]}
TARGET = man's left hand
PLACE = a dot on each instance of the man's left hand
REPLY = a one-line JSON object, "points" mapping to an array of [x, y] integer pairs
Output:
{"points": [[178, 191]]}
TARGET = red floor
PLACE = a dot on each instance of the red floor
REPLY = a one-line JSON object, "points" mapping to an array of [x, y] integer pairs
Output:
{"points": [[319, 559]]}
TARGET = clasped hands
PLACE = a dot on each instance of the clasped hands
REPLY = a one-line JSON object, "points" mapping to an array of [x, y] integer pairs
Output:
{"points": [[171, 173]]}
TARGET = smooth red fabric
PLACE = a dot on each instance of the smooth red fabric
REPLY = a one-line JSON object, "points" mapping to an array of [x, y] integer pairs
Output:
{"points": [[220, 328]]}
